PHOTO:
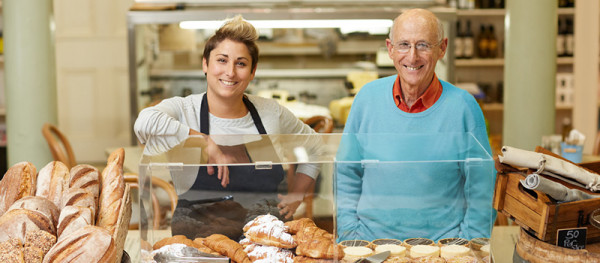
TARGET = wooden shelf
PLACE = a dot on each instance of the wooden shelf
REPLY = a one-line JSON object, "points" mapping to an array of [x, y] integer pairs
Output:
{"points": [[478, 62], [566, 11], [481, 12], [498, 62]]}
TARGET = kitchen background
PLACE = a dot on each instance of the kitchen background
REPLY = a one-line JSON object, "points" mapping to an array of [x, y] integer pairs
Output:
{"points": [[115, 57]]}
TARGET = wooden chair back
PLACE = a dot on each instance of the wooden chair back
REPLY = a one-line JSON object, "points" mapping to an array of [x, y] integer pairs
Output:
{"points": [[132, 180], [59, 145]]}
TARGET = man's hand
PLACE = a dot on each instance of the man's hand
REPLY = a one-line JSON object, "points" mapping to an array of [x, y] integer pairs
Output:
{"points": [[215, 156], [289, 203]]}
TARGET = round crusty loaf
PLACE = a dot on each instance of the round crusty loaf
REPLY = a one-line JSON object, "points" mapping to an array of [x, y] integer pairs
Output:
{"points": [[73, 218], [87, 244], [52, 181], [18, 182], [38, 204], [17, 222]]}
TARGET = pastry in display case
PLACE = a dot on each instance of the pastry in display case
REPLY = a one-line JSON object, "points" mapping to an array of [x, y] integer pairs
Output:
{"points": [[243, 222]]}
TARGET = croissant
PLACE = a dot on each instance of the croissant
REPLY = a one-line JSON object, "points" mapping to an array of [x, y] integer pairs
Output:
{"points": [[303, 259], [320, 248], [271, 234], [225, 246], [312, 232], [199, 244], [295, 226], [177, 239], [263, 219], [269, 254]]}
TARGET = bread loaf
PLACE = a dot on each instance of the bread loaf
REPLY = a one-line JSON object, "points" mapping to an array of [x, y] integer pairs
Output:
{"points": [[16, 223], [40, 239], [11, 251], [113, 188], [52, 181], [87, 244], [80, 197], [86, 177], [38, 204], [73, 218], [18, 182]]}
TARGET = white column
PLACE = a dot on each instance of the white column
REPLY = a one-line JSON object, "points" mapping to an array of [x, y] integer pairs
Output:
{"points": [[529, 72], [30, 78], [585, 69]]}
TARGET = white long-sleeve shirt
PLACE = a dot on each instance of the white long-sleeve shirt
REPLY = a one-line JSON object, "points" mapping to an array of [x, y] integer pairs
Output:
{"points": [[168, 123]]}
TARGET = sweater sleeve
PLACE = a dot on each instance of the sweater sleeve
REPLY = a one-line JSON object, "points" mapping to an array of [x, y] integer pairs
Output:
{"points": [[160, 128], [479, 183], [348, 180], [290, 124]]}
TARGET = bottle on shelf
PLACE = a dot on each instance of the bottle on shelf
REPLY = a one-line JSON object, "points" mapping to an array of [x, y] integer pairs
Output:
{"points": [[492, 43], [483, 42], [569, 39], [468, 42], [458, 42], [560, 39]]}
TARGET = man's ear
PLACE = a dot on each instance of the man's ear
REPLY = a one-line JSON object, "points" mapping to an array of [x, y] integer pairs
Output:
{"points": [[390, 46]]}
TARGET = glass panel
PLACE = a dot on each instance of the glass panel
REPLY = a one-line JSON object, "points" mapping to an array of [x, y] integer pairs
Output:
{"points": [[368, 186]]}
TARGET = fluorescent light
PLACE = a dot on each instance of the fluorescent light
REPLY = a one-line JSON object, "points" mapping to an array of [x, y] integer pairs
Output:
{"points": [[346, 24]]}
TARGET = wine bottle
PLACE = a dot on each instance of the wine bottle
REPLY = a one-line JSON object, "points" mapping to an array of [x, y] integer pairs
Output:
{"points": [[492, 43], [458, 42], [560, 39], [482, 42], [569, 39], [468, 42]]}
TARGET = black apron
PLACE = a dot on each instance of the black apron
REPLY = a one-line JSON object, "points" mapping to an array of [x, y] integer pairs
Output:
{"points": [[208, 207]]}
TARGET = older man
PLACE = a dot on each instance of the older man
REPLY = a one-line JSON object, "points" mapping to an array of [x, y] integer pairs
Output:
{"points": [[405, 119]]}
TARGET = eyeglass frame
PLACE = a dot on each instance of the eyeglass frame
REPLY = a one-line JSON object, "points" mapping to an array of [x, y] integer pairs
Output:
{"points": [[428, 49]]}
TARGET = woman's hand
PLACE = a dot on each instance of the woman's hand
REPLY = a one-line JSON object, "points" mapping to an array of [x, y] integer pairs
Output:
{"points": [[215, 156]]}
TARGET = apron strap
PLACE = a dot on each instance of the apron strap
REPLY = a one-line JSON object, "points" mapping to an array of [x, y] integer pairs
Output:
{"points": [[204, 123]]}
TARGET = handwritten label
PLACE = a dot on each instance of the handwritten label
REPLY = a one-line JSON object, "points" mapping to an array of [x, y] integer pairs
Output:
{"points": [[573, 238]]}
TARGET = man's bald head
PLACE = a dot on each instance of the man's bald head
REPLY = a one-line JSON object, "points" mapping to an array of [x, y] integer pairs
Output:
{"points": [[421, 16]]}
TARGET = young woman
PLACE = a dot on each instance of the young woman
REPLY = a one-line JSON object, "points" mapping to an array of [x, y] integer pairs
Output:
{"points": [[229, 61]]}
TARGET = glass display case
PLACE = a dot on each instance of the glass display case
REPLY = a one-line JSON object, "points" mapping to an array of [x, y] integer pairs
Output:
{"points": [[357, 190]]}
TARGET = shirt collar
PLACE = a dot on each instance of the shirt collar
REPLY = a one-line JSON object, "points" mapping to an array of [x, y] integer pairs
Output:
{"points": [[424, 102]]}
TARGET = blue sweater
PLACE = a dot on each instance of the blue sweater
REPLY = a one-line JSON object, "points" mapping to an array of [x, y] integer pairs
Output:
{"points": [[402, 175]]}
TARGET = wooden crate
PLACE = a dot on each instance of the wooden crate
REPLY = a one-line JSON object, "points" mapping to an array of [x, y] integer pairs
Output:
{"points": [[535, 211]]}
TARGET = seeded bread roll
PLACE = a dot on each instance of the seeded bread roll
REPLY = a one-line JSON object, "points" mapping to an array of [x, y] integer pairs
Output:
{"points": [[86, 177], [18, 182], [72, 218], [87, 244], [52, 181], [113, 188]]}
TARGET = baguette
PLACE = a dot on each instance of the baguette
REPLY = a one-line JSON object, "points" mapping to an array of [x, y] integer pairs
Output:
{"points": [[73, 218], [87, 244], [80, 197], [86, 177], [18, 182], [52, 181], [113, 189]]}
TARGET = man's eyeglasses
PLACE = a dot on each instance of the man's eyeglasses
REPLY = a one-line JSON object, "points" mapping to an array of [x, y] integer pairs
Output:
{"points": [[404, 47]]}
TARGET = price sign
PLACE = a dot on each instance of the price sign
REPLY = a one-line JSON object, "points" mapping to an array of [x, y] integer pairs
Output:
{"points": [[573, 238]]}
